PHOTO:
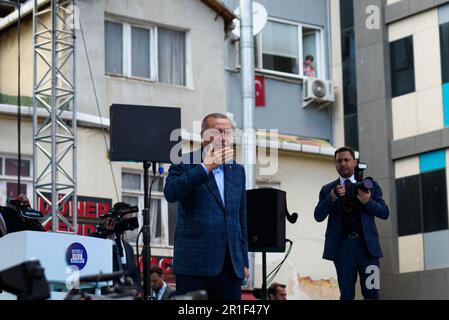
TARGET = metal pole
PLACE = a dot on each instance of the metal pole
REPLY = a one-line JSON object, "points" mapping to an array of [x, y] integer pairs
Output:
{"points": [[19, 111], [247, 74], [146, 254], [264, 276], [54, 83], [35, 196], [74, 129]]}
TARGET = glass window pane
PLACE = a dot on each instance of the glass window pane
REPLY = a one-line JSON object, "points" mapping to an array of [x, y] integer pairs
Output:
{"points": [[158, 184], [113, 47], [434, 201], [131, 181], [309, 43], [280, 47], [11, 189], [444, 40], [131, 236], [11, 167], [140, 51], [156, 223], [408, 200], [133, 201], [402, 67], [172, 56], [349, 88], [172, 211], [347, 13], [351, 131]]}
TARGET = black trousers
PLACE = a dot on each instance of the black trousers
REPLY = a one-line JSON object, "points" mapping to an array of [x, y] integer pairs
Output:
{"points": [[225, 286], [354, 259]]}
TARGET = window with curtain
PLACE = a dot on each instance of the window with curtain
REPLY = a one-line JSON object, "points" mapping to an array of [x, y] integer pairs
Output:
{"points": [[171, 56], [148, 52], [8, 178], [161, 216], [113, 37], [280, 49], [140, 52]]}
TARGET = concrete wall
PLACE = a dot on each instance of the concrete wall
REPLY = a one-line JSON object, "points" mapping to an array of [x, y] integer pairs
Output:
{"points": [[283, 108], [380, 122], [206, 42]]}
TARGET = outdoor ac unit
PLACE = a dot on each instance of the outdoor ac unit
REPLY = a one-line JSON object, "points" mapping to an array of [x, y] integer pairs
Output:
{"points": [[319, 91]]}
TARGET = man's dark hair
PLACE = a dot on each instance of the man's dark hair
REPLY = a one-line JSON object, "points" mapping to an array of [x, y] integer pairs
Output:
{"points": [[274, 288], [205, 123], [345, 149], [156, 269]]}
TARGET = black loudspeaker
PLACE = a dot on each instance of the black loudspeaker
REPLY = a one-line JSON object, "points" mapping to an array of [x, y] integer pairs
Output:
{"points": [[266, 212], [143, 133]]}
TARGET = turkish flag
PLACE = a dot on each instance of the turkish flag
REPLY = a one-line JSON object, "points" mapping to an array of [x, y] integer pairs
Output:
{"points": [[260, 91]]}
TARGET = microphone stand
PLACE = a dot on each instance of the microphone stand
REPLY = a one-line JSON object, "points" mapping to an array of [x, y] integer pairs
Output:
{"points": [[146, 231]]}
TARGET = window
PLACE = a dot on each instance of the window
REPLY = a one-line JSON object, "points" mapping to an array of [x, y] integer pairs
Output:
{"points": [[172, 56], [113, 47], [12, 167], [434, 201], [282, 48], [408, 200], [8, 178], [422, 203], [147, 52], [162, 214], [140, 52], [402, 67], [444, 40]]}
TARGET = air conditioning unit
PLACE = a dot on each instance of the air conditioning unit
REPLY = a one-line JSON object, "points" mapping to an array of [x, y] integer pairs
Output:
{"points": [[318, 91]]}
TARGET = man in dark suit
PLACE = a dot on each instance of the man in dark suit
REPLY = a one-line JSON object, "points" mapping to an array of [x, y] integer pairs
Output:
{"points": [[352, 240], [211, 247], [161, 290]]}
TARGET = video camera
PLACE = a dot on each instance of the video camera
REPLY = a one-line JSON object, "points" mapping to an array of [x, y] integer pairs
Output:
{"points": [[364, 184], [24, 209], [21, 216], [118, 212]]}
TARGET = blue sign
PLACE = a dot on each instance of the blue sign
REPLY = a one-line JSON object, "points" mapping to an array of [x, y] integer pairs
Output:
{"points": [[76, 255]]}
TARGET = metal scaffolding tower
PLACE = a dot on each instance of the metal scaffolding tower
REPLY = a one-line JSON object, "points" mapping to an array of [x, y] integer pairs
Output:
{"points": [[54, 112]]}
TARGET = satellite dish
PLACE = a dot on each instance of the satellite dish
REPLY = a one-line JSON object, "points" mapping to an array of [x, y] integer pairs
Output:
{"points": [[260, 18]]}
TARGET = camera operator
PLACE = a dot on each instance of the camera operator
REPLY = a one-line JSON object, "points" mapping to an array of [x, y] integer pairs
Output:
{"points": [[352, 240], [112, 226], [19, 216]]}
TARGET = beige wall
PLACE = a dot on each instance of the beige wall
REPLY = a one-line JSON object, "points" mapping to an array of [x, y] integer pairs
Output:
{"points": [[306, 274], [94, 174], [421, 111]]}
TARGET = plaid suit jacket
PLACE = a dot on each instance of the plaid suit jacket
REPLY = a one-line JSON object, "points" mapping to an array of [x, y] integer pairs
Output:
{"points": [[204, 223]]}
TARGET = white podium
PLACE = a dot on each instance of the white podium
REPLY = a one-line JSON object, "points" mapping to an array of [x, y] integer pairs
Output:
{"points": [[56, 252]]}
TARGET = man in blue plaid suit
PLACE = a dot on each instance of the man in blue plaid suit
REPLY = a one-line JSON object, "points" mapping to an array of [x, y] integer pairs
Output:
{"points": [[211, 247]]}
